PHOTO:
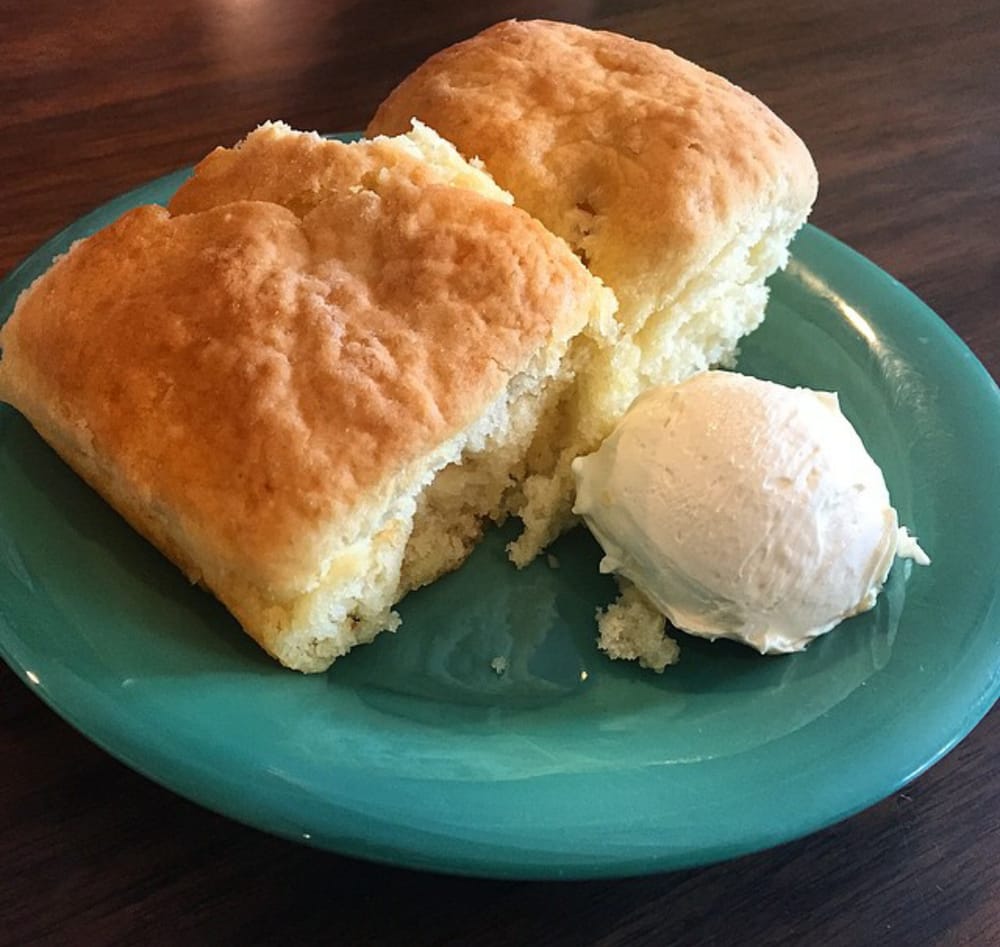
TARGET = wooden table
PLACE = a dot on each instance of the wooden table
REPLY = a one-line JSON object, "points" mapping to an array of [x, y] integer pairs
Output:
{"points": [[900, 104]]}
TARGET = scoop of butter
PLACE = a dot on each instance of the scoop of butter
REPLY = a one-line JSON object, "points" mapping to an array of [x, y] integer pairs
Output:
{"points": [[743, 509]]}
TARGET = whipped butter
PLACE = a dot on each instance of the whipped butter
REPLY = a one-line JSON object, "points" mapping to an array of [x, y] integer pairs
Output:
{"points": [[743, 509]]}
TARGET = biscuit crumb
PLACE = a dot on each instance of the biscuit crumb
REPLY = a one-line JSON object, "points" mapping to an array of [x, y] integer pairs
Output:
{"points": [[632, 629]]}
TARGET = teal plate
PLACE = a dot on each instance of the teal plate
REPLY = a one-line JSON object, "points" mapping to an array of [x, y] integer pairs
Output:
{"points": [[415, 751]]}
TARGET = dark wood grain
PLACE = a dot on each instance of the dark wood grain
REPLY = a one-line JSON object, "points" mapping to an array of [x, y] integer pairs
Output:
{"points": [[900, 104]]}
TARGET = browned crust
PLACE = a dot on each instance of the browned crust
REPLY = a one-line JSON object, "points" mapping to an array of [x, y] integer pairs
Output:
{"points": [[666, 158], [244, 384]]}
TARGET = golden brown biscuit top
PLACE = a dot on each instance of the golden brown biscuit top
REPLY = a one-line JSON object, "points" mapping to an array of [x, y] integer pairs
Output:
{"points": [[261, 376], [625, 149], [301, 169]]}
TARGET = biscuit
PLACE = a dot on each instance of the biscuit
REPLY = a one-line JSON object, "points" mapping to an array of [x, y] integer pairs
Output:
{"points": [[286, 399], [678, 189]]}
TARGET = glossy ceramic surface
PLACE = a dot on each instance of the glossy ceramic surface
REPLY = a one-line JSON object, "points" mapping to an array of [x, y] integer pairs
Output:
{"points": [[415, 751]]}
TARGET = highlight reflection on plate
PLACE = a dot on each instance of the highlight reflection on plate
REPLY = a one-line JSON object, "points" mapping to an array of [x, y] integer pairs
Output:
{"points": [[415, 750]]}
